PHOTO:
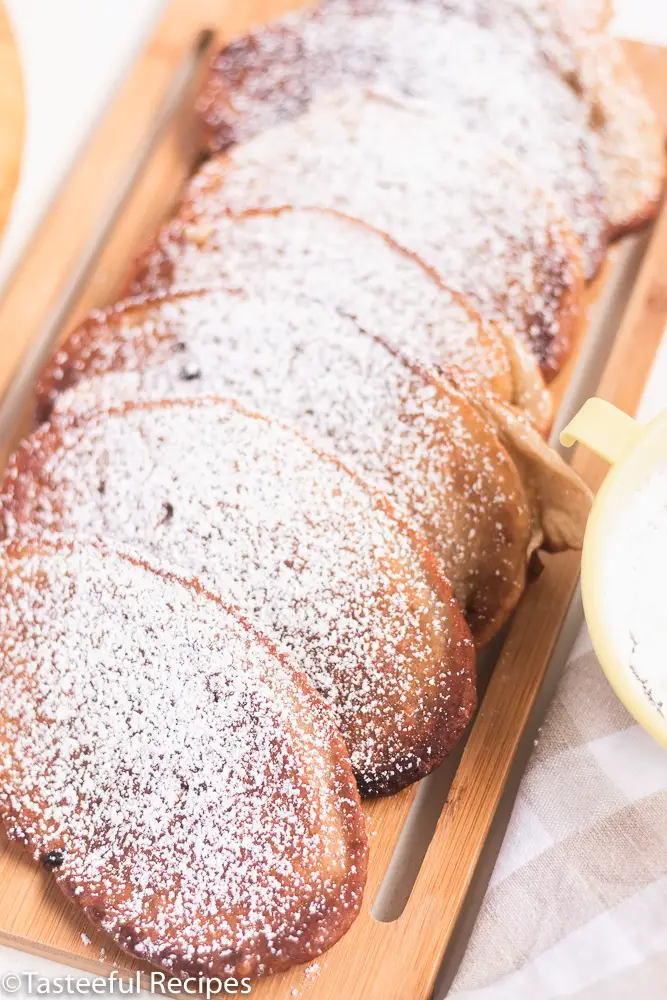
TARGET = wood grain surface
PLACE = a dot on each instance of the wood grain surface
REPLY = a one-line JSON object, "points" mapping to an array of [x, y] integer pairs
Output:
{"points": [[125, 182], [12, 116]]}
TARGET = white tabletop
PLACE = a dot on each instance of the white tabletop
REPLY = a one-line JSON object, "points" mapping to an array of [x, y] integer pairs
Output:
{"points": [[74, 53]]}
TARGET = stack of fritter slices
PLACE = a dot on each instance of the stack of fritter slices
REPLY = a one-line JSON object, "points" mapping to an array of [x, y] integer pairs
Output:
{"points": [[316, 429], [542, 80]]}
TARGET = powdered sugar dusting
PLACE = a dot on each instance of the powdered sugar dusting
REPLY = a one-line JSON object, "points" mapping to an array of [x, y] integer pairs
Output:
{"points": [[480, 60], [287, 535], [464, 206], [634, 562], [337, 262], [623, 128], [414, 437], [181, 782], [630, 139]]}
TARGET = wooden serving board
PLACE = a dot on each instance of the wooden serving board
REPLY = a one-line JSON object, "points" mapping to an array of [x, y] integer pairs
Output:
{"points": [[125, 182], [12, 116]]}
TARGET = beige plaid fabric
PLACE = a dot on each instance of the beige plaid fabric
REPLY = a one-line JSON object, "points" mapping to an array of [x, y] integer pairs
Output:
{"points": [[577, 905]]}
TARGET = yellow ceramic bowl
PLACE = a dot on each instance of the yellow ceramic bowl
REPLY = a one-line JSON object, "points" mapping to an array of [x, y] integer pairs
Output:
{"points": [[635, 451]]}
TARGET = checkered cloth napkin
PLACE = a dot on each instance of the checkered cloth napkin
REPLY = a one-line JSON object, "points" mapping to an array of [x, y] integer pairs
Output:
{"points": [[577, 905]]}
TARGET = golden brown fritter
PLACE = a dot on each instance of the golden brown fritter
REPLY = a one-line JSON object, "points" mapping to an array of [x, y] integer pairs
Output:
{"points": [[345, 266], [465, 206], [321, 562], [484, 61], [182, 781], [403, 429]]}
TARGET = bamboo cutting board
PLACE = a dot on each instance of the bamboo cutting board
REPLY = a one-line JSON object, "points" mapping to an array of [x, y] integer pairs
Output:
{"points": [[125, 182], [11, 116]]}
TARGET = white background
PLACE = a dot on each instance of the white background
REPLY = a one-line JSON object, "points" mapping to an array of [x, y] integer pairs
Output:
{"points": [[74, 52]]}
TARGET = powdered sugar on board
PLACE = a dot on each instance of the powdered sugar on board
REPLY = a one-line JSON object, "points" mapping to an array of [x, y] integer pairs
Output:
{"points": [[635, 556], [184, 785], [285, 533], [463, 205]]}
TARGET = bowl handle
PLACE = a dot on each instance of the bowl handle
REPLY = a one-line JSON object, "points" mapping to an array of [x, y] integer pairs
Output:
{"points": [[604, 429]]}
